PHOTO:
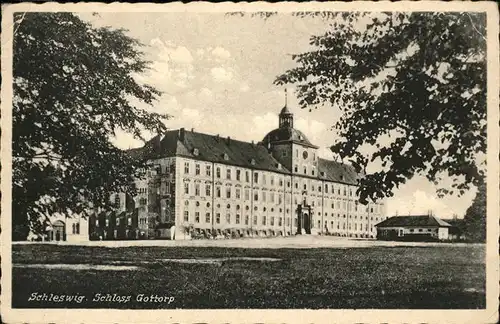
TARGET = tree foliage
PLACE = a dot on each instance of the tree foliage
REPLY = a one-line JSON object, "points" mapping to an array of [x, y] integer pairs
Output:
{"points": [[411, 88], [72, 89], [475, 217]]}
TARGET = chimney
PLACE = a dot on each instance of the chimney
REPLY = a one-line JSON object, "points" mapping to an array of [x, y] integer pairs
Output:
{"points": [[253, 142], [182, 133], [217, 137], [228, 140], [192, 130]]}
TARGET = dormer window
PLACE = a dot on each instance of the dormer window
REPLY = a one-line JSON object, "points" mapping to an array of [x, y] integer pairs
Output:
{"points": [[252, 162], [342, 177], [196, 152], [226, 157], [322, 173]]}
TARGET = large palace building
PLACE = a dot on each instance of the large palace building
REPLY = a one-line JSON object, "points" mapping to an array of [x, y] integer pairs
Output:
{"points": [[201, 185]]}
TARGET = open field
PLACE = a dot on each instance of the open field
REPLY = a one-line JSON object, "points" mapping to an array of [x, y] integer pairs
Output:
{"points": [[428, 276], [296, 242]]}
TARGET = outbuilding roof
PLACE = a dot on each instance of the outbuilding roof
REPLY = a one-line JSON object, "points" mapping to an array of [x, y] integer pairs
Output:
{"points": [[413, 221]]}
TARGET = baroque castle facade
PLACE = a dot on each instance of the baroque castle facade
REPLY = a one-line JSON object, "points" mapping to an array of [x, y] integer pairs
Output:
{"points": [[201, 185]]}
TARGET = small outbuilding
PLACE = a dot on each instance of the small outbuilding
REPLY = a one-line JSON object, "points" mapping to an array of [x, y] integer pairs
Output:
{"points": [[413, 228]]}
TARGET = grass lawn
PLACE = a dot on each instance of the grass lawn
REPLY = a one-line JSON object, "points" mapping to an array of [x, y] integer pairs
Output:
{"points": [[379, 277]]}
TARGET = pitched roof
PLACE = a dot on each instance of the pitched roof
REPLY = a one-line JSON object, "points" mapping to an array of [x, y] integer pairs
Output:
{"points": [[415, 220], [209, 148], [337, 172], [213, 149]]}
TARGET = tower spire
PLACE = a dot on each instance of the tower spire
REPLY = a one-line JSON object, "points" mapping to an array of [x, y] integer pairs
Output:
{"points": [[286, 97]]}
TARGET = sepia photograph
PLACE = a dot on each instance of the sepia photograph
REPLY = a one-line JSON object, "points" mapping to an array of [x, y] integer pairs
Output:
{"points": [[241, 157]]}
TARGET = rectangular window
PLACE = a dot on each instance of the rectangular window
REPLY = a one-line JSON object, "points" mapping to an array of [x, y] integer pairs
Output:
{"points": [[208, 190], [255, 220], [280, 199], [197, 217], [197, 169], [186, 167], [280, 221], [256, 196], [237, 218], [228, 218], [207, 218], [264, 179], [186, 188], [238, 175], [228, 174], [217, 192], [247, 194], [247, 176], [217, 173], [287, 221], [256, 177], [186, 216], [272, 221], [263, 196], [209, 170], [271, 194], [217, 218], [197, 189], [228, 192], [263, 220], [247, 219], [238, 193], [272, 180]]}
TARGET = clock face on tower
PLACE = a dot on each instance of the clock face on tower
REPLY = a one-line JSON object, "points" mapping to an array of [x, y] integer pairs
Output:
{"points": [[304, 155]]}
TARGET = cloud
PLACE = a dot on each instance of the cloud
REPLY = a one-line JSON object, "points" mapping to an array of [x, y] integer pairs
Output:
{"points": [[325, 153], [205, 95], [200, 52], [244, 87], [221, 53], [172, 68], [220, 74], [313, 129], [180, 55]]}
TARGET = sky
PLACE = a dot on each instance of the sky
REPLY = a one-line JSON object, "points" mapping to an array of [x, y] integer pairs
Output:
{"points": [[216, 73]]}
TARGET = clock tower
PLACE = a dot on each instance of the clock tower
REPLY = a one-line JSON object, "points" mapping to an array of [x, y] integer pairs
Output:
{"points": [[291, 147]]}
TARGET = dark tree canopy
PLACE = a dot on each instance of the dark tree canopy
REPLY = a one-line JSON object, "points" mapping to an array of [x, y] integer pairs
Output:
{"points": [[410, 86], [72, 85], [475, 217]]}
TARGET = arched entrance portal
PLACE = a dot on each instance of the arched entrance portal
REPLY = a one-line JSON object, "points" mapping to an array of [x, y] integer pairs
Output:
{"points": [[307, 223], [58, 231], [304, 213]]}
